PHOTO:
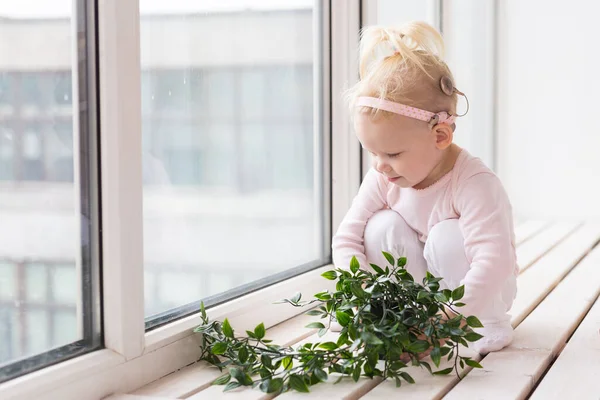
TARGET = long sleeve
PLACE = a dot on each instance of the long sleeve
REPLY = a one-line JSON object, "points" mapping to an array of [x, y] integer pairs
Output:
{"points": [[485, 218], [348, 240]]}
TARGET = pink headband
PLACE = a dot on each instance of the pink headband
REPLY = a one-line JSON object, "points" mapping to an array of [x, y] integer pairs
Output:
{"points": [[427, 116]]}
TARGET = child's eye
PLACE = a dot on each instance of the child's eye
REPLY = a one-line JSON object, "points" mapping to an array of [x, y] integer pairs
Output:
{"points": [[393, 155]]}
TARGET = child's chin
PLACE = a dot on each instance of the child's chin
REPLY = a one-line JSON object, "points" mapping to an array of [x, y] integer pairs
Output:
{"points": [[403, 183]]}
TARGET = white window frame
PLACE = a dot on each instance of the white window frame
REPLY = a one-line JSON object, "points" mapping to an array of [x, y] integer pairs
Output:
{"points": [[131, 357]]}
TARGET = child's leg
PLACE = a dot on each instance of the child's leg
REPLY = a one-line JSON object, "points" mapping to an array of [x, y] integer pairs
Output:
{"points": [[446, 258], [387, 231]]}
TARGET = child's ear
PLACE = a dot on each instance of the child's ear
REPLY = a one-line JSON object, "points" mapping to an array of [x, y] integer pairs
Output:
{"points": [[444, 134]]}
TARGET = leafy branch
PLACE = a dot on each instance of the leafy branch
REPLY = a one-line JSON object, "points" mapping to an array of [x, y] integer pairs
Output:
{"points": [[388, 322]]}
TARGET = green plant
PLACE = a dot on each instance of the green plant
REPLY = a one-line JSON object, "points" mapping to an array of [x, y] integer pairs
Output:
{"points": [[388, 320]]}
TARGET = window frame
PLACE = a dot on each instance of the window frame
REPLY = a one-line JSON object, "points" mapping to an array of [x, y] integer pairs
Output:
{"points": [[132, 357], [86, 188]]}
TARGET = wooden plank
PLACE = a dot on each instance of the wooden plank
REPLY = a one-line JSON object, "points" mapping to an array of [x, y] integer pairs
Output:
{"points": [[530, 251], [536, 282], [574, 375], [199, 376], [528, 229], [539, 280], [513, 372], [136, 397]]}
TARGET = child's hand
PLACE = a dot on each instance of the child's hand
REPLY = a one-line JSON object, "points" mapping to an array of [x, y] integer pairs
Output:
{"points": [[405, 357]]}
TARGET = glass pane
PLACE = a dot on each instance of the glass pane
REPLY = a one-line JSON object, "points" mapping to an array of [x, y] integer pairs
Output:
{"points": [[43, 205], [36, 283], [230, 150]]}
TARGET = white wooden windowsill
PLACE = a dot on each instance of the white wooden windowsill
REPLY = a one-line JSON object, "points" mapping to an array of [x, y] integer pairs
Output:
{"points": [[558, 285]]}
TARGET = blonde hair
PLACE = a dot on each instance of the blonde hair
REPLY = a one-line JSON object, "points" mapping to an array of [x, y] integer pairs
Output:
{"points": [[404, 65]]}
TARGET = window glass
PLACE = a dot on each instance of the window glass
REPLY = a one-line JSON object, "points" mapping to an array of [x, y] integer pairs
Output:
{"points": [[230, 123]]}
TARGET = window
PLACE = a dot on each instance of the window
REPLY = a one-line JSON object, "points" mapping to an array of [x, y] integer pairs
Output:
{"points": [[49, 297], [216, 164], [232, 157]]}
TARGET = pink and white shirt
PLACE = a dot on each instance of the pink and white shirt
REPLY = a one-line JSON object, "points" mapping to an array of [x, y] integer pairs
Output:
{"points": [[471, 193]]}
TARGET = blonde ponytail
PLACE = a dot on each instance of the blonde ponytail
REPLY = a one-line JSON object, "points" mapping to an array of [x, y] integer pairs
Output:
{"points": [[405, 65]]}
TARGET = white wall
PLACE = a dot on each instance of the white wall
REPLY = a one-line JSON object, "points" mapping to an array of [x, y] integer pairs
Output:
{"points": [[468, 28], [549, 80]]}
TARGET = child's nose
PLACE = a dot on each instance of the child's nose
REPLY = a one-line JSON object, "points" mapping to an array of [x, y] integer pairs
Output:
{"points": [[382, 167]]}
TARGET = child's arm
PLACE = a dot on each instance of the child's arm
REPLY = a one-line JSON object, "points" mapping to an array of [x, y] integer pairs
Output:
{"points": [[348, 241], [485, 218]]}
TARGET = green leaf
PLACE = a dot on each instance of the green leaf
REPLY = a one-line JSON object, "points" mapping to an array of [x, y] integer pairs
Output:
{"points": [[354, 265], [296, 297], [231, 386], [259, 331], [426, 365], [315, 325], [287, 363], [328, 346], [202, 310], [444, 371], [371, 339], [422, 294], [219, 348], [441, 297], [429, 330], [436, 356], [377, 269], [222, 380], [473, 363], [250, 334], [459, 304], [357, 290], [398, 382], [322, 332], [402, 261], [227, 330], [356, 373], [298, 384], [396, 365], [314, 313], [456, 332], [418, 347], [322, 375], [275, 385], [473, 336], [237, 374], [324, 296], [389, 258], [243, 354], [266, 360], [473, 322], [432, 310], [342, 339], [331, 275], [407, 377], [458, 293], [368, 369], [264, 373], [342, 318], [447, 293]]}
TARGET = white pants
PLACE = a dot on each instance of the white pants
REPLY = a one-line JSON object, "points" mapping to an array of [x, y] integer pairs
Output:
{"points": [[443, 255]]}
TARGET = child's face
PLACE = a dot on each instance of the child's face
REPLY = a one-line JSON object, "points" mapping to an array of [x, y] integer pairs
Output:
{"points": [[403, 149]]}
